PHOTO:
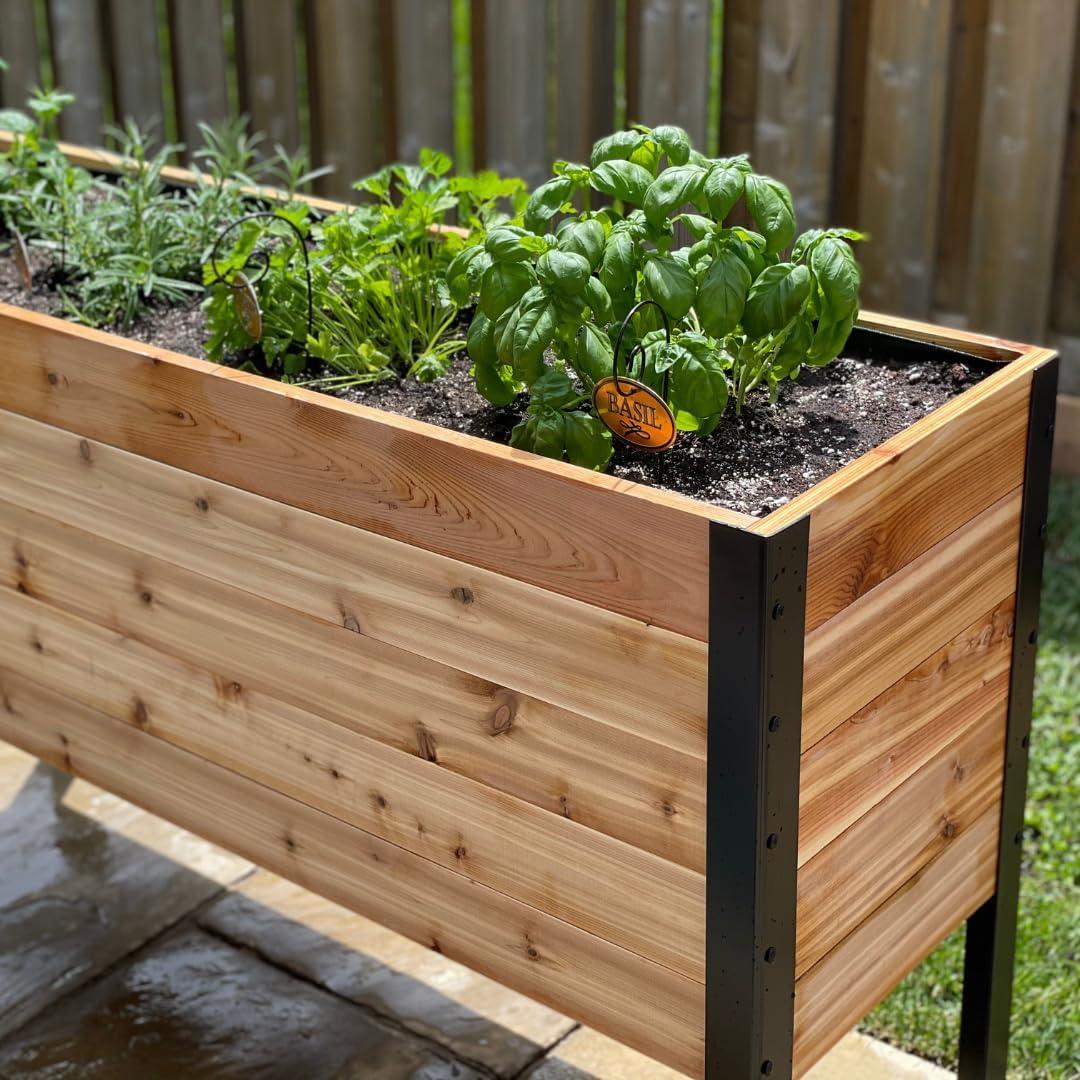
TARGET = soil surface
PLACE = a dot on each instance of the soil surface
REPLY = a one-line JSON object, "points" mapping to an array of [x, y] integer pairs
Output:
{"points": [[752, 464]]}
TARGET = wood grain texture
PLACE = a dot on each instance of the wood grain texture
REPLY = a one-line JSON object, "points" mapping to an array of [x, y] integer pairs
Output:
{"points": [[611, 889], [136, 63], [1029, 56], [266, 32], [1067, 439], [19, 48], [198, 68], [642, 1004], [591, 773], [899, 183], [834, 994], [77, 40], [850, 109], [584, 75], [870, 754], [882, 636], [876, 515], [566, 529], [346, 85], [474, 620], [424, 77]]}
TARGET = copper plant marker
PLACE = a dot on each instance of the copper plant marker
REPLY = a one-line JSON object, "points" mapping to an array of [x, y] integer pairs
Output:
{"points": [[21, 255], [634, 413], [246, 305]]}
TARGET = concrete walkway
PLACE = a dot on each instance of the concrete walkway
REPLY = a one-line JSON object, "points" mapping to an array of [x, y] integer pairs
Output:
{"points": [[130, 950]]}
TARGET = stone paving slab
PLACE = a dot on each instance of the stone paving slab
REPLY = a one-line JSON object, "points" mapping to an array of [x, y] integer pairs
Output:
{"points": [[477, 1019], [85, 878], [194, 1007]]}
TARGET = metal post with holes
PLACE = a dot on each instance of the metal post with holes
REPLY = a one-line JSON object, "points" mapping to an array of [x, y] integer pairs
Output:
{"points": [[991, 931], [757, 616]]}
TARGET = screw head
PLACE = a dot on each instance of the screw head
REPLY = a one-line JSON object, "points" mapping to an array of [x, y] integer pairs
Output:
{"points": [[778, 610], [770, 955], [1025, 742], [1044, 528], [1019, 837], [1049, 431], [1033, 637], [772, 840], [774, 723], [766, 1068]]}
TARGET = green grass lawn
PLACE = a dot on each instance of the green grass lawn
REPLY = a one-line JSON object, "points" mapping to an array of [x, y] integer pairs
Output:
{"points": [[923, 1015]]}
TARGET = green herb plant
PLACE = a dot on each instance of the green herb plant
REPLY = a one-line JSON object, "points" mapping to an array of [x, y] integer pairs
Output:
{"points": [[749, 306]]}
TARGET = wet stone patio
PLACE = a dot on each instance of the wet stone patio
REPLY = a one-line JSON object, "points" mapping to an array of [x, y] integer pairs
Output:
{"points": [[131, 950]]}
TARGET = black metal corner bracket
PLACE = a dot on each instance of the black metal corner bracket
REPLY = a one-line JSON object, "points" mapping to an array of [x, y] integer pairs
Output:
{"points": [[991, 930], [757, 620]]}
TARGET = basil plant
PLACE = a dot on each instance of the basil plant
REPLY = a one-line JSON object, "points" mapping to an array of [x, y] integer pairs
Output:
{"points": [[747, 306]]}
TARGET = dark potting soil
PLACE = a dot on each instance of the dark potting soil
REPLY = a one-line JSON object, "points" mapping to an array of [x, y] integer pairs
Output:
{"points": [[752, 464]]}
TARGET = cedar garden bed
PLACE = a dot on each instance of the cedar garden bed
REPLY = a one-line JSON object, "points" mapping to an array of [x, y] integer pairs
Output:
{"points": [[660, 765]]}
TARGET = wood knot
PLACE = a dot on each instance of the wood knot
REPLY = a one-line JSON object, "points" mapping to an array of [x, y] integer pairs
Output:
{"points": [[460, 852], [425, 744], [351, 622], [379, 800], [290, 843], [84, 451], [334, 774], [462, 594], [146, 596], [202, 503], [435, 946], [53, 378], [140, 714], [502, 718], [228, 689], [668, 808], [564, 806], [532, 952], [21, 561], [948, 829], [35, 644]]}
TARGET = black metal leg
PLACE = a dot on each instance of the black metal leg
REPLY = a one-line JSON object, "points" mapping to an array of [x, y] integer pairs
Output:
{"points": [[991, 931]]}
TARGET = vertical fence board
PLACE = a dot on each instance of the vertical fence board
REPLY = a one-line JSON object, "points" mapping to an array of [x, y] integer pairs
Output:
{"points": [[196, 30], [798, 50], [347, 113], [668, 64], [424, 98], [78, 54], [510, 87], [850, 109], [266, 33], [1029, 54], [966, 69], [18, 46], [900, 174], [136, 62], [739, 76], [584, 75], [1066, 313]]}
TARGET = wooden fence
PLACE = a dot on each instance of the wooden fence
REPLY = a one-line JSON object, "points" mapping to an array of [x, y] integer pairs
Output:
{"points": [[948, 129]]}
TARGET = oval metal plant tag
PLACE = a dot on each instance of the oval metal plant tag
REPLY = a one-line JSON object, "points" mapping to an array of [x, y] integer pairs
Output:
{"points": [[246, 305], [634, 413], [21, 255]]}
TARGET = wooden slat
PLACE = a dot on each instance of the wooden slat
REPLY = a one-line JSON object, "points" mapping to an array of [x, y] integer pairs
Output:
{"points": [[906, 78], [667, 61], [834, 994], [424, 77], [878, 514], [796, 99], [584, 75], [477, 621], [1067, 438], [345, 86], [136, 63], [610, 889], [509, 70], [1021, 157], [19, 48], [196, 32], [967, 56], [77, 39], [595, 774], [887, 847], [1065, 316], [739, 76], [878, 639], [870, 754], [266, 32], [850, 109], [578, 533], [618, 992]]}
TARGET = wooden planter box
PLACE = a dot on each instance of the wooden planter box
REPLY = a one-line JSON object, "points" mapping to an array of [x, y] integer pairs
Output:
{"points": [[494, 701]]}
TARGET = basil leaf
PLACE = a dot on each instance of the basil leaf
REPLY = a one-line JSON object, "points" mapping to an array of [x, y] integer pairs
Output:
{"points": [[585, 238], [546, 201], [587, 440], [552, 390], [804, 243], [503, 285], [794, 352], [457, 277], [829, 340], [612, 147], [673, 187], [564, 271], [593, 353], [504, 244], [674, 141], [503, 334], [622, 180], [670, 283], [721, 296], [837, 273], [699, 388], [533, 333], [599, 299], [769, 203], [494, 380], [775, 298], [618, 268], [724, 187], [698, 226]]}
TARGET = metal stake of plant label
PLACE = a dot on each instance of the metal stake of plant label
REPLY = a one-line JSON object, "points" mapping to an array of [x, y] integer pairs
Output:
{"points": [[21, 255]]}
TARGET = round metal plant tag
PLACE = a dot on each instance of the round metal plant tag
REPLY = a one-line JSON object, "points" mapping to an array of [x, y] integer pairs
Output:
{"points": [[634, 413], [246, 305], [22, 259]]}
